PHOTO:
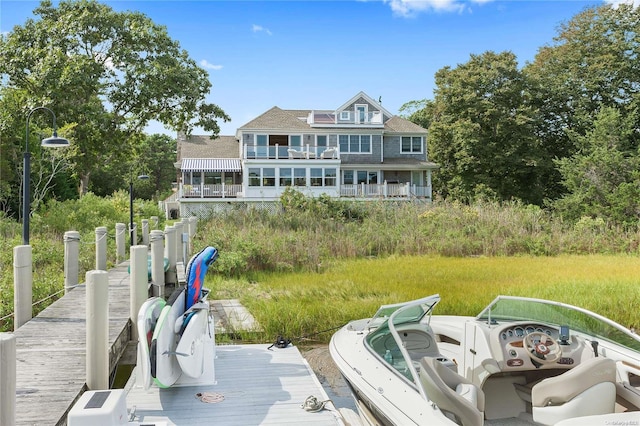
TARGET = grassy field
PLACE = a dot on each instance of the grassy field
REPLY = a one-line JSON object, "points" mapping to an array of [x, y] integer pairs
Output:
{"points": [[304, 305]]}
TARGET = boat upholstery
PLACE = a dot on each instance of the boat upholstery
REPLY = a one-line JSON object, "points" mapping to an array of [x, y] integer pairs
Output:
{"points": [[452, 392], [587, 389]]}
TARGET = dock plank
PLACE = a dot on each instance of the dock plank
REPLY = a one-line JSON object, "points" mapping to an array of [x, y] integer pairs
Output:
{"points": [[260, 387], [51, 348]]}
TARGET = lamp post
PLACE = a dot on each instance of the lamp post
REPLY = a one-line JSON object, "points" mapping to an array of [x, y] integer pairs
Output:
{"points": [[131, 233], [50, 142]]}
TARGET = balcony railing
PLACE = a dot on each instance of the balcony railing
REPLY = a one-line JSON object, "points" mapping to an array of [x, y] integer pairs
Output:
{"points": [[285, 152], [211, 191], [361, 190]]}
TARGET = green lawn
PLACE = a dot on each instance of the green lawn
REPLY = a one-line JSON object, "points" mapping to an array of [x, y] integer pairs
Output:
{"points": [[300, 304]]}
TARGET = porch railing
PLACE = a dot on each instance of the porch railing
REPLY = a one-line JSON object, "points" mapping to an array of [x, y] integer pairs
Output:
{"points": [[285, 152], [211, 191]]}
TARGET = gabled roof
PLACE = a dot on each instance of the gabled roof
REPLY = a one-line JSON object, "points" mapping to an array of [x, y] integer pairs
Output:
{"points": [[401, 125], [368, 99], [202, 146], [277, 119]]}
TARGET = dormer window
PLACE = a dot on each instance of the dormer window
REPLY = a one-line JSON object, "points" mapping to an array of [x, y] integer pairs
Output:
{"points": [[361, 113], [345, 115]]}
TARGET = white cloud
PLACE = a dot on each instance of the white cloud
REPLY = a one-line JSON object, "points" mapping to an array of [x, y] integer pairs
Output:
{"points": [[205, 64], [409, 8], [616, 3], [258, 28]]}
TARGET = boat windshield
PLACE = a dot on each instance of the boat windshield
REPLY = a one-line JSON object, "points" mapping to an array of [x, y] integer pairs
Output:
{"points": [[510, 308], [385, 342]]}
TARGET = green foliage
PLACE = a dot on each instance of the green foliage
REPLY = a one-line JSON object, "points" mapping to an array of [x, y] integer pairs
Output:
{"points": [[602, 178], [480, 131], [302, 306], [108, 72]]}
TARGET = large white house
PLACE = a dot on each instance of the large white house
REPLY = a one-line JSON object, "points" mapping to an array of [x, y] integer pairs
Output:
{"points": [[358, 150]]}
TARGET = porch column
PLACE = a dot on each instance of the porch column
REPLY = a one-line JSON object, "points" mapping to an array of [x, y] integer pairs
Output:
{"points": [[429, 184]]}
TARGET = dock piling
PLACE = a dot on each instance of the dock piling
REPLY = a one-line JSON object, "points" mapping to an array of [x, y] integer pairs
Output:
{"points": [[71, 255], [22, 285], [120, 242], [7, 379], [97, 362], [101, 248], [139, 279], [157, 262]]}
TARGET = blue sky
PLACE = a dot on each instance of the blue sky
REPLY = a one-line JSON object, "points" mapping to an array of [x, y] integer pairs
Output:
{"points": [[318, 54]]}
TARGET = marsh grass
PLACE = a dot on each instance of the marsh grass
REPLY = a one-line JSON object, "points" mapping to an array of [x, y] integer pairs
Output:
{"points": [[305, 304]]}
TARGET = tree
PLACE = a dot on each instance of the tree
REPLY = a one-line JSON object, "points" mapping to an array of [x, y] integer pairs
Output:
{"points": [[480, 130], [603, 177], [110, 73], [592, 64]]}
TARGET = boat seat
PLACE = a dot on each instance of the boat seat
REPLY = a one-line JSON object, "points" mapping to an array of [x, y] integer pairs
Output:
{"points": [[454, 394], [587, 389]]}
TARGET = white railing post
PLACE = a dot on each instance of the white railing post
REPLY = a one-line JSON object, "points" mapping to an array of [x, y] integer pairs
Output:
{"points": [[154, 221], [385, 190], [157, 262], [22, 285], [170, 276], [7, 379], [121, 239], [133, 231], [101, 248], [138, 285], [97, 331], [145, 232], [71, 255]]}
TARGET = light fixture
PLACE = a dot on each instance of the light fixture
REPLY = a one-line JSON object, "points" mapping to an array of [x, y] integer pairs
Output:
{"points": [[51, 142]]}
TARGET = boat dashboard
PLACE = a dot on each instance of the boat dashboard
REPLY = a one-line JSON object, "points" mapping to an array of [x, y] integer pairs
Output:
{"points": [[530, 345]]}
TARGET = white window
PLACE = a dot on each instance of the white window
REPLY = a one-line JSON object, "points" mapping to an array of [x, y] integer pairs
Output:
{"points": [[362, 113], [411, 145], [355, 144], [295, 141], [345, 115]]}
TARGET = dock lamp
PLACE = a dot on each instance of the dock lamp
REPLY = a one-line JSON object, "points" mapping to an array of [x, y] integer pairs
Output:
{"points": [[50, 142], [131, 233]]}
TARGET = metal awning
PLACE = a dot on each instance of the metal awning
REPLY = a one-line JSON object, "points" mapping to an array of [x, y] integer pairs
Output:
{"points": [[210, 165]]}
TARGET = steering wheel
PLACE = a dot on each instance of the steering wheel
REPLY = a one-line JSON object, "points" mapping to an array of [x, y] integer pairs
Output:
{"points": [[544, 350]]}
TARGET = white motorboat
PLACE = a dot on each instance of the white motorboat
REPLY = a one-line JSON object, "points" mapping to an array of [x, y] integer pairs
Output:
{"points": [[521, 361]]}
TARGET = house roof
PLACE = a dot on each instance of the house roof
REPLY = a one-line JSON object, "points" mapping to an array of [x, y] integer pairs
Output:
{"points": [[278, 119], [202, 146], [401, 125], [368, 99], [292, 119]]}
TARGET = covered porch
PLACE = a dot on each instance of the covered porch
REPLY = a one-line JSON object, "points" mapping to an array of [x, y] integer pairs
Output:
{"points": [[210, 178]]}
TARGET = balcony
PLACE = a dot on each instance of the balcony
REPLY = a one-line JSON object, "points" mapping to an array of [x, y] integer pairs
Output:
{"points": [[210, 191], [285, 152]]}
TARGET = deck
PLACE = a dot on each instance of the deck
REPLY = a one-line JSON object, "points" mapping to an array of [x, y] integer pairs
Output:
{"points": [[260, 386]]}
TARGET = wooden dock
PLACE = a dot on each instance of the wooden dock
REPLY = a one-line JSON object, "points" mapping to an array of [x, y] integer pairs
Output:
{"points": [[259, 386], [255, 385], [50, 352]]}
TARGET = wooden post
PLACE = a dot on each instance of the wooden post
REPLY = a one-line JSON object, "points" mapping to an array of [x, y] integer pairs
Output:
{"points": [[121, 240], [101, 248], [170, 276], [97, 330], [7, 379], [71, 255], [156, 240], [134, 232], [145, 232], [179, 226], [22, 285], [139, 280], [154, 220]]}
